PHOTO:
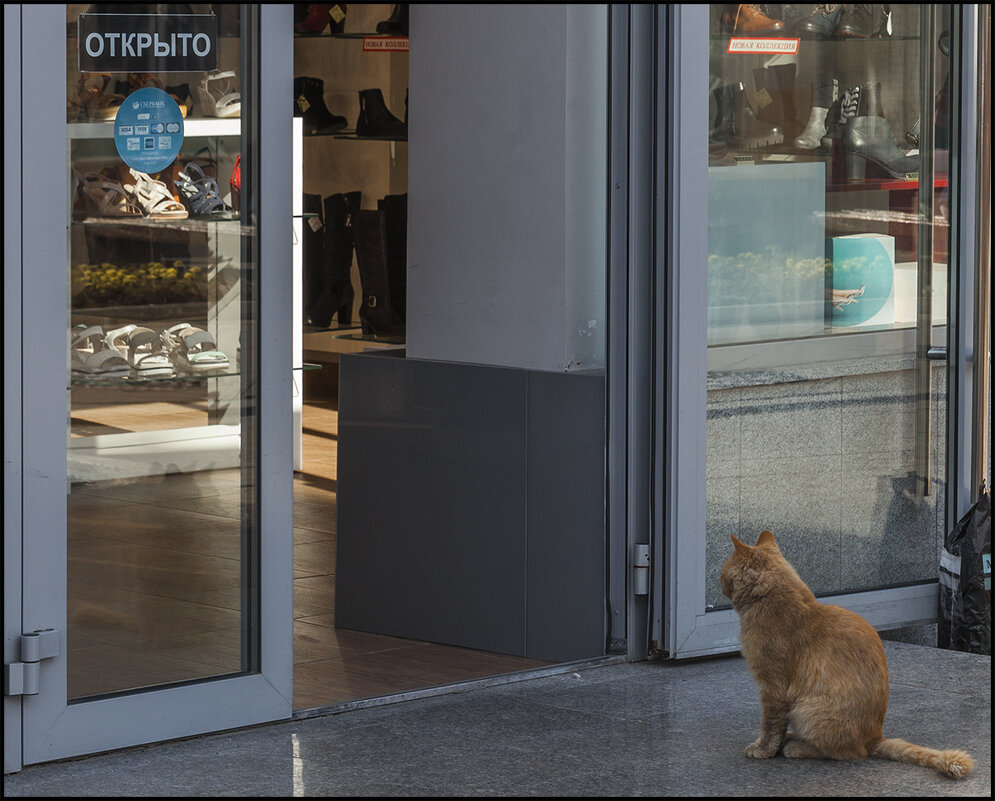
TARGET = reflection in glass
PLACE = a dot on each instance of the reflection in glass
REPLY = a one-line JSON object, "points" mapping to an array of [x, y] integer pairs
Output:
{"points": [[160, 401], [814, 227]]}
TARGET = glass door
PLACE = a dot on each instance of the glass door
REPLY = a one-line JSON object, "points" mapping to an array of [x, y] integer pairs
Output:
{"points": [[819, 387], [153, 552]]}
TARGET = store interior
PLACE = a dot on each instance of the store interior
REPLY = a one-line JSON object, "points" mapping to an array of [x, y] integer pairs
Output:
{"points": [[157, 568]]}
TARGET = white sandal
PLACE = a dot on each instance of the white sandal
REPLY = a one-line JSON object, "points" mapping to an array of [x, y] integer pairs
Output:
{"points": [[220, 101], [153, 198], [93, 357], [106, 198], [143, 349], [193, 350]]}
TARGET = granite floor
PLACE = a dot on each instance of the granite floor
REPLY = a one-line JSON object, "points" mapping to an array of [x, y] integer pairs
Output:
{"points": [[614, 729]]}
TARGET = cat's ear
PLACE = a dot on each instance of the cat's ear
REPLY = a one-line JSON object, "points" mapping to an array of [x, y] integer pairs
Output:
{"points": [[766, 538], [741, 547]]}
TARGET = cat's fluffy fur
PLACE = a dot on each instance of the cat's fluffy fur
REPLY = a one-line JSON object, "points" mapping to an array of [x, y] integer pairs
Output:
{"points": [[820, 669]]}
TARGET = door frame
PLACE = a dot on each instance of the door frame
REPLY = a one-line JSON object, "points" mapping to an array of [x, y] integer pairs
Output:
{"points": [[45, 727], [680, 627]]}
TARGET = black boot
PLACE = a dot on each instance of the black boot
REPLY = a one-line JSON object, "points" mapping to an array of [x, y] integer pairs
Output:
{"points": [[337, 293], [736, 123], [375, 118], [313, 259], [309, 103], [395, 211], [397, 23], [376, 313], [779, 83], [725, 114]]}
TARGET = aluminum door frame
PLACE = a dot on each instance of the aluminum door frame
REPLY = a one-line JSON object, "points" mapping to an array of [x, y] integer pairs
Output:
{"points": [[46, 727], [679, 625]]}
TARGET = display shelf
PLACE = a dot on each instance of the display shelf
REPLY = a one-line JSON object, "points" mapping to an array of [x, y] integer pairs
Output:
{"points": [[803, 42], [195, 127], [132, 224], [352, 135], [886, 185], [360, 337], [319, 329], [372, 35], [180, 379], [344, 65]]}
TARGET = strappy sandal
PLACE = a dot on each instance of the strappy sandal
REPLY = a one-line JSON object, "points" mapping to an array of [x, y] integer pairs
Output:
{"points": [[142, 347], [201, 195], [153, 197], [93, 357], [193, 350], [103, 197], [219, 100], [100, 107]]}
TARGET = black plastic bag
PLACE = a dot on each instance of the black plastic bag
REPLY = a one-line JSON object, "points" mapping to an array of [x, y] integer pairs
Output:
{"points": [[966, 582]]}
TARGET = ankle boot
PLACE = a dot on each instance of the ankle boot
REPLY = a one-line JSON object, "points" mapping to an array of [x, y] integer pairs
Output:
{"points": [[395, 212], [822, 22], [843, 108], [337, 293], [375, 118], [376, 313], [736, 123], [397, 23], [750, 19], [823, 97], [309, 97], [868, 139], [864, 21]]}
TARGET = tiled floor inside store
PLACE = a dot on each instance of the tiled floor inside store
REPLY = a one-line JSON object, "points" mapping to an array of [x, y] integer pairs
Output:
{"points": [[154, 578]]}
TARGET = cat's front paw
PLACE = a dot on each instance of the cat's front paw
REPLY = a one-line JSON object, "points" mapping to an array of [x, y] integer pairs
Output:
{"points": [[759, 750]]}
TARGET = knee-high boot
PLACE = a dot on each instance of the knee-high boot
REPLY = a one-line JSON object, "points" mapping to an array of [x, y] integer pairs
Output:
{"points": [[395, 211], [337, 293], [376, 312]]}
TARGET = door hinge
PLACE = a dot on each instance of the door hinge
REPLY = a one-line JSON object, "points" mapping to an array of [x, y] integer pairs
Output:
{"points": [[641, 569], [22, 678]]}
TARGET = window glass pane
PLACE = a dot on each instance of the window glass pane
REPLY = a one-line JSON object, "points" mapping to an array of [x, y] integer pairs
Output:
{"points": [[821, 240], [161, 402]]}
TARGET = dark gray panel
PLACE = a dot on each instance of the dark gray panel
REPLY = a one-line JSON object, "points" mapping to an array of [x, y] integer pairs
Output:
{"points": [[471, 505], [566, 516], [431, 502]]}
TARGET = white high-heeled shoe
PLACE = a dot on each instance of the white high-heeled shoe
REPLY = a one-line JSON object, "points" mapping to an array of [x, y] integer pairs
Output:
{"points": [[219, 100]]}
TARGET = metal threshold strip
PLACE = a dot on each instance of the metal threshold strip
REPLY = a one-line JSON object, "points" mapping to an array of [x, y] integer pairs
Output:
{"points": [[460, 687]]}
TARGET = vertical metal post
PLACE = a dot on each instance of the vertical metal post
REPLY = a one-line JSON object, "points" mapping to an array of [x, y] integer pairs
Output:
{"points": [[924, 251], [981, 400]]}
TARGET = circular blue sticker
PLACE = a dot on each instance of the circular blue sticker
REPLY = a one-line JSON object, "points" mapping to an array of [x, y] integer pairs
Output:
{"points": [[148, 130]]}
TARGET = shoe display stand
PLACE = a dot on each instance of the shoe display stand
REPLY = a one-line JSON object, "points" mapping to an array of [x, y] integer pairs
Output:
{"points": [[838, 86], [351, 81], [198, 261]]}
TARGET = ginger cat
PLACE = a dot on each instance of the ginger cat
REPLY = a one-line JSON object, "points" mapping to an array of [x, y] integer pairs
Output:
{"points": [[820, 669]]}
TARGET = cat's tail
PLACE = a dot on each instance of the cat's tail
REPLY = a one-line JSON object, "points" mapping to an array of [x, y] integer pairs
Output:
{"points": [[951, 762]]}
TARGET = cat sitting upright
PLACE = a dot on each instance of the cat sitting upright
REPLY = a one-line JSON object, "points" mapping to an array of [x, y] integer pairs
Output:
{"points": [[820, 669]]}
